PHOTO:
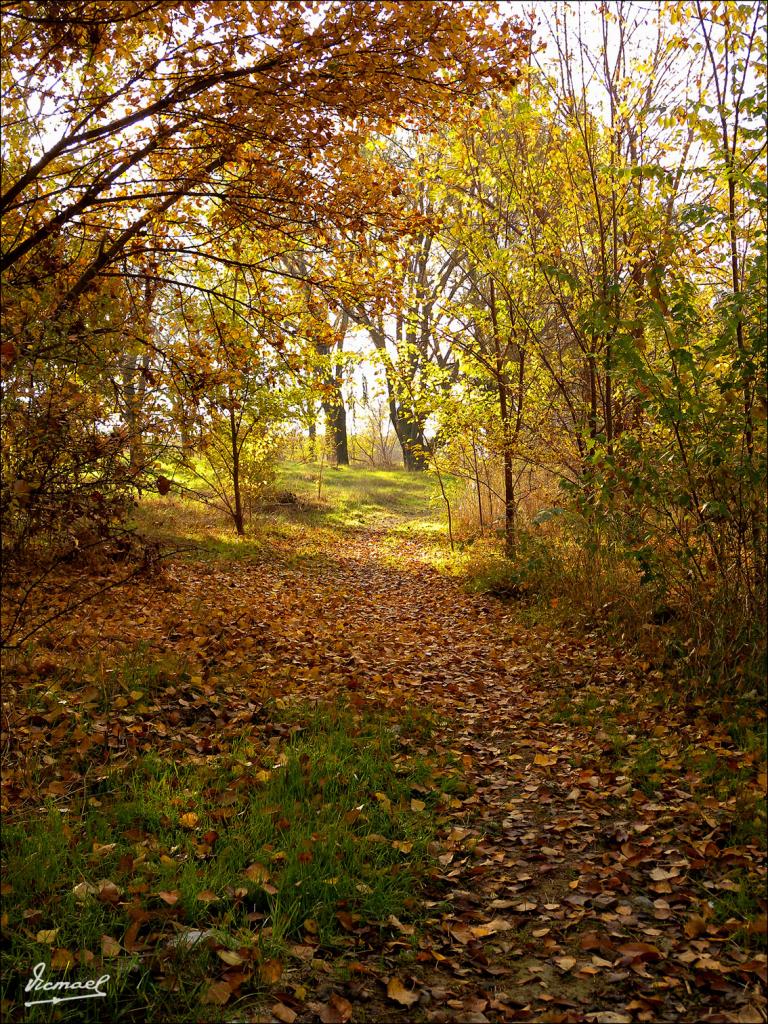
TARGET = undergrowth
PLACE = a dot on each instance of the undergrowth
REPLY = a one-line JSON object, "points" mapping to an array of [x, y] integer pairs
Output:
{"points": [[178, 861]]}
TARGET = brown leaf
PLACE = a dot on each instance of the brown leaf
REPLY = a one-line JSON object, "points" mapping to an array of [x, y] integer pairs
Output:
{"points": [[461, 933], [109, 892], [402, 846], [110, 946], [283, 1013], [498, 924], [398, 993], [348, 921], [7, 353], [336, 1011], [565, 963], [695, 926], [163, 484], [217, 994], [62, 959], [270, 971], [641, 951]]}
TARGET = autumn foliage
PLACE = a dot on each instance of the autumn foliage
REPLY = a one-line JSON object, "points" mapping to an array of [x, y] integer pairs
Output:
{"points": [[383, 492]]}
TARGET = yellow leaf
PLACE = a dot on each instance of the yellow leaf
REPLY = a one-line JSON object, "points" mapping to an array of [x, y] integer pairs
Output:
{"points": [[544, 760], [189, 820], [384, 800], [498, 924], [230, 957], [257, 873], [47, 937], [398, 993]]}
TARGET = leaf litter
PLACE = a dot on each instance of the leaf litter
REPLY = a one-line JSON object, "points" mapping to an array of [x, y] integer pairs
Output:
{"points": [[565, 888]]}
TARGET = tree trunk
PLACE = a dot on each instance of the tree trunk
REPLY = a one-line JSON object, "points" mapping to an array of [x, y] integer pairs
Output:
{"points": [[411, 438], [510, 516], [477, 485], [237, 515], [336, 420]]}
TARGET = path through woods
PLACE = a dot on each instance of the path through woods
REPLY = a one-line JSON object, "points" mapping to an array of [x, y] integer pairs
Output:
{"points": [[572, 880]]}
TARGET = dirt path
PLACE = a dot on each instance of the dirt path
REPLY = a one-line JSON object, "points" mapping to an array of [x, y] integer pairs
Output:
{"points": [[567, 889], [566, 892]]}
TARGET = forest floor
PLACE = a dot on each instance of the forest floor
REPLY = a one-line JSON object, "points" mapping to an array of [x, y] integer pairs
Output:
{"points": [[308, 776]]}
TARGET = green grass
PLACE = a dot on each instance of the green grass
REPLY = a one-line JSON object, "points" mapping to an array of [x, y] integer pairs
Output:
{"points": [[739, 906], [306, 532], [350, 496], [580, 710], [327, 816], [644, 767]]}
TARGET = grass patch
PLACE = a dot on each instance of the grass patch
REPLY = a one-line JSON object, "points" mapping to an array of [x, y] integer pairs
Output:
{"points": [[349, 497], [645, 768], [303, 531], [393, 490], [740, 907], [323, 836]]}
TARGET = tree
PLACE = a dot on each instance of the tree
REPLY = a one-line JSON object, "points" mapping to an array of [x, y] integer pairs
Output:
{"points": [[137, 135]]}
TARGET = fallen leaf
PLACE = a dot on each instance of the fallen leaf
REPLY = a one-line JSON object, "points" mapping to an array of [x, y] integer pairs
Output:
{"points": [[695, 926], [544, 760], [110, 946], [398, 993], [217, 994], [109, 892], [337, 1010], [230, 957], [565, 963], [270, 971], [257, 873], [283, 1013], [62, 959]]}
